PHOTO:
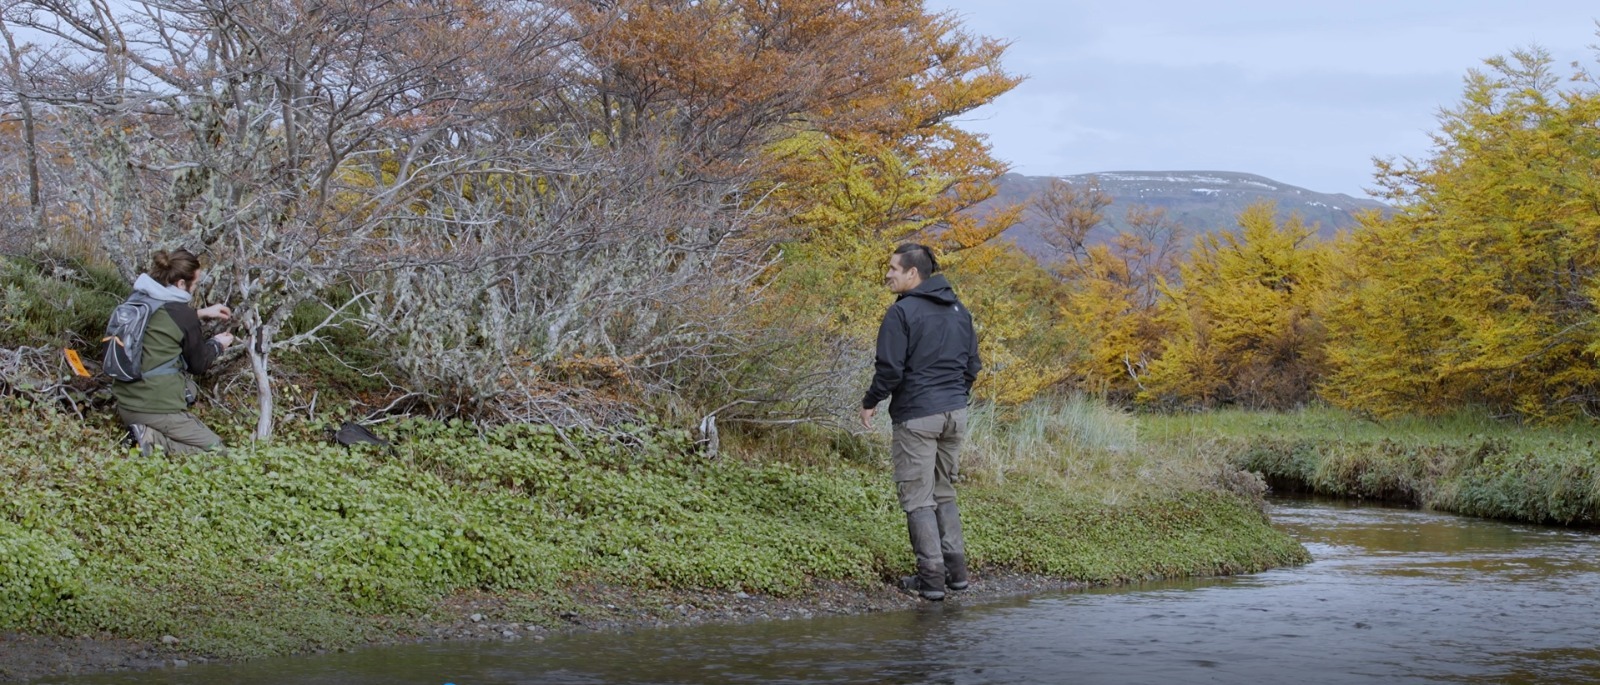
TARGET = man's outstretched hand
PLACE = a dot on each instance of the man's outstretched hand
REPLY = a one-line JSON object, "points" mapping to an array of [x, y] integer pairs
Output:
{"points": [[866, 417]]}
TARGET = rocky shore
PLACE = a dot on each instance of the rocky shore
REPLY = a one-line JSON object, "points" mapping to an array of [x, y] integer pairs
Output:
{"points": [[577, 609]]}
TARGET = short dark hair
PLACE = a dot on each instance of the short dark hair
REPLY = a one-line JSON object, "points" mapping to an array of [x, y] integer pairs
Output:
{"points": [[919, 257]]}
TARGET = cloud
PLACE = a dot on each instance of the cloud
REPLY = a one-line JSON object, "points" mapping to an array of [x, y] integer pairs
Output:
{"points": [[1306, 95]]}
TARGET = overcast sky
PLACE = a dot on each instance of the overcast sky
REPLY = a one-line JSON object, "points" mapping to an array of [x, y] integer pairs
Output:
{"points": [[1303, 93]]}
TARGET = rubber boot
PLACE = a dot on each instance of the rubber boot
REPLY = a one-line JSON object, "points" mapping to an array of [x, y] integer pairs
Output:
{"points": [[953, 545], [923, 525]]}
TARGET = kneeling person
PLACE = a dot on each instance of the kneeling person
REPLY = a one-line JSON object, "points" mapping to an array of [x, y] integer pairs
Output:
{"points": [[156, 407]]}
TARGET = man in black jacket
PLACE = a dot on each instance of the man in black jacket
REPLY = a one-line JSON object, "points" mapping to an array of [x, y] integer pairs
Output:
{"points": [[927, 360]]}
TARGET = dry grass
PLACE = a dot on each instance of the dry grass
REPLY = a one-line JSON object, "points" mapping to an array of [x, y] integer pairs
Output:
{"points": [[1088, 446]]}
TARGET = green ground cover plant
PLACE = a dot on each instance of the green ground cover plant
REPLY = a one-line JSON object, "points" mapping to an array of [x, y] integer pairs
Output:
{"points": [[298, 544], [302, 544]]}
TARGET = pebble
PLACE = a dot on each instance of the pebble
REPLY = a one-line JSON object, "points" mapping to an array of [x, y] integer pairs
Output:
{"points": [[507, 634], [742, 595], [477, 618], [179, 663], [168, 640]]}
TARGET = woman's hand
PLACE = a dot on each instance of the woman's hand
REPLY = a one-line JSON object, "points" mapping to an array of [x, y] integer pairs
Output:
{"points": [[216, 312], [223, 339]]}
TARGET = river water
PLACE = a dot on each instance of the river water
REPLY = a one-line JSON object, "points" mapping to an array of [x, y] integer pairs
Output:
{"points": [[1393, 596]]}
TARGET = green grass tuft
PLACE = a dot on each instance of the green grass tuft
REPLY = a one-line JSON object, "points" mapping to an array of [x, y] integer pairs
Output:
{"points": [[1467, 463], [51, 302]]}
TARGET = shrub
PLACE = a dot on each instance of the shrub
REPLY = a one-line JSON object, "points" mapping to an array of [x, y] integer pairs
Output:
{"points": [[50, 301]]}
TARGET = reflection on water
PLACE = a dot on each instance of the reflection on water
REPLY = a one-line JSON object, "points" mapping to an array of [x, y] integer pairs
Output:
{"points": [[1393, 596]]}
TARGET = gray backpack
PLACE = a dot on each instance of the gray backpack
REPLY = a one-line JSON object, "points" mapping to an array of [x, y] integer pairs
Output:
{"points": [[125, 341]]}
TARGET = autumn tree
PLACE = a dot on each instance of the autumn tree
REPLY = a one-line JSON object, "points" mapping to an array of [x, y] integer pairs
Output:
{"points": [[1481, 289], [910, 167], [1115, 302], [1018, 300], [1068, 215], [284, 156], [836, 116], [852, 106], [1244, 324], [891, 165], [530, 204], [1112, 283]]}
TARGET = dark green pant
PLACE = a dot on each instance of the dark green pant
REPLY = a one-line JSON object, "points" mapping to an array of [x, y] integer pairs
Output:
{"points": [[180, 433]]}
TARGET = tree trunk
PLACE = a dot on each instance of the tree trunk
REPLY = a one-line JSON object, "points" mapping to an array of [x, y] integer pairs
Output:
{"points": [[14, 66], [260, 344]]}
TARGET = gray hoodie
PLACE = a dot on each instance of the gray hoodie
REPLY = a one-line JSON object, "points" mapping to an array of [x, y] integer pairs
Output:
{"points": [[160, 293]]}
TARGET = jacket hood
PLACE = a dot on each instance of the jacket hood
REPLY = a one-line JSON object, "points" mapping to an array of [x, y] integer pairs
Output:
{"points": [[936, 289], [160, 293]]}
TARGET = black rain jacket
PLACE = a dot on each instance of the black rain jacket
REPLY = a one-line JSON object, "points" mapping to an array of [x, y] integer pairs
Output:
{"points": [[927, 354]]}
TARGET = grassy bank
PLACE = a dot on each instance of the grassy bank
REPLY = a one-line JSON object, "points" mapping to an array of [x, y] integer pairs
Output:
{"points": [[302, 545], [1465, 463]]}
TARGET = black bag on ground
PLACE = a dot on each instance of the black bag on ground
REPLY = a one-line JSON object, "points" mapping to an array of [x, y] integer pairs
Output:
{"points": [[352, 433]]}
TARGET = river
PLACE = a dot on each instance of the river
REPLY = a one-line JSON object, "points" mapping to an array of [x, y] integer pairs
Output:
{"points": [[1393, 596]]}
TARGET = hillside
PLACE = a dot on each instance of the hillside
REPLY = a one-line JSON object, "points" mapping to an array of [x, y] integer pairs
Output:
{"points": [[1202, 201]]}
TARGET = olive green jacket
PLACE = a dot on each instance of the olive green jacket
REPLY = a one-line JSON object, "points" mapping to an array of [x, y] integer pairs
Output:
{"points": [[174, 330]]}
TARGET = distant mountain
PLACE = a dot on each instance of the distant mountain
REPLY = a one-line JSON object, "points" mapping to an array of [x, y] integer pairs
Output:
{"points": [[1203, 201]]}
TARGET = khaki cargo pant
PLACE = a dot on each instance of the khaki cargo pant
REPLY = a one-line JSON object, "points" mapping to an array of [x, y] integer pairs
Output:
{"points": [[180, 433], [926, 454]]}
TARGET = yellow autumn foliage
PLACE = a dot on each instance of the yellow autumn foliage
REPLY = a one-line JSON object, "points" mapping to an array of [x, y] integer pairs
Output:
{"points": [[1244, 323], [870, 173], [1482, 288], [1119, 335], [833, 279], [1114, 289], [1015, 303]]}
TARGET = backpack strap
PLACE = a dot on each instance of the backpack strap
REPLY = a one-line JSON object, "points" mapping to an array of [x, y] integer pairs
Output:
{"points": [[168, 367]]}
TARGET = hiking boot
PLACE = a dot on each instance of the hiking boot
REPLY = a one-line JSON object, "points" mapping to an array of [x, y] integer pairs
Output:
{"points": [[952, 545], [138, 437], [915, 586], [923, 526]]}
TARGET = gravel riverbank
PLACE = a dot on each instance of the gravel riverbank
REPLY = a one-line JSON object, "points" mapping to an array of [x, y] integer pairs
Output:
{"points": [[578, 609]]}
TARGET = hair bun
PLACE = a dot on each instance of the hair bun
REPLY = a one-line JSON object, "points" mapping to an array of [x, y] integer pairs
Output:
{"points": [[170, 266]]}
